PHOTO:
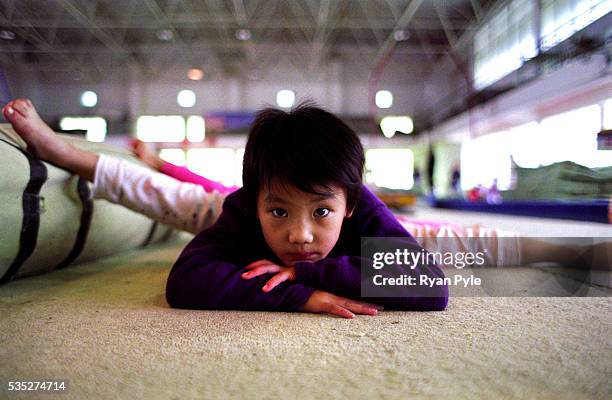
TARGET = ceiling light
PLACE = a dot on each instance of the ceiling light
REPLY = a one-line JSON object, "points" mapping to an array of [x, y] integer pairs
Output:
{"points": [[384, 99], [7, 35], [165, 34], [89, 99], [195, 74], [243, 34], [186, 98], [285, 98]]}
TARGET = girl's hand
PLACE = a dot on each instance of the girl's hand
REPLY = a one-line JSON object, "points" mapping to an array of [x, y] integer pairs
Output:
{"points": [[268, 267], [323, 302]]}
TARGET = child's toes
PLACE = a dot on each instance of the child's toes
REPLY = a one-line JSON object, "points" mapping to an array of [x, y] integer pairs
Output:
{"points": [[13, 117], [7, 106], [8, 111], [21, 105]]}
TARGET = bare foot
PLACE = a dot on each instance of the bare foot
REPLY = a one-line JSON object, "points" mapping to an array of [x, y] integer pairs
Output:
{"points": [[42, 141], [142, 151]]}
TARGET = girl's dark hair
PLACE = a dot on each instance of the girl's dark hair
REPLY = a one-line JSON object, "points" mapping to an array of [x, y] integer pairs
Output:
{"points": [[306, 147]]}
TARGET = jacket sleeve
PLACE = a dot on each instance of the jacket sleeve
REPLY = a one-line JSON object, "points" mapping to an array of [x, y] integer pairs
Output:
{"points": [[342, 275], [207, 273]]}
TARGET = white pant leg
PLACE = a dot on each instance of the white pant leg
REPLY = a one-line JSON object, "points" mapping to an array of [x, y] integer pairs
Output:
{"points": [[182, 205], [502, 247]]}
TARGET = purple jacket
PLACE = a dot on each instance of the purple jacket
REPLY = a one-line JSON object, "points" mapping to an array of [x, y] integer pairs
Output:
{"points": [[207, 273]]}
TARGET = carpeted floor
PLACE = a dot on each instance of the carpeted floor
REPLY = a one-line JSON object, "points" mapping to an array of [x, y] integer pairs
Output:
{"points": [[106, 329]]}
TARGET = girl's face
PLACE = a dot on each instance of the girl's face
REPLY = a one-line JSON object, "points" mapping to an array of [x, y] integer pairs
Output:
{"points": [[300, 226]]}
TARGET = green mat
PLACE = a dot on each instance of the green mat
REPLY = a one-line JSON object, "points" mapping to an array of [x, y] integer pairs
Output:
{"points": [[564, 180], [60, 225]]}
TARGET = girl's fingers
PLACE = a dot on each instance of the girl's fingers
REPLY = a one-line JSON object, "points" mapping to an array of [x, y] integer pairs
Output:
{"points": [[376, 306], [360, 308], [266, 269], [258, 263], [335, 309], [276, 280]]}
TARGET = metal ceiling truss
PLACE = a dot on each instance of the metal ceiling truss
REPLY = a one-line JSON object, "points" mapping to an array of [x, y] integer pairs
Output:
{"points": [[74, 32]]}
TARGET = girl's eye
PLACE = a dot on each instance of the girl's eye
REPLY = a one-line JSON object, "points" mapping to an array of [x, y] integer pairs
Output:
{"points": [[321, 212], [279, 213]]}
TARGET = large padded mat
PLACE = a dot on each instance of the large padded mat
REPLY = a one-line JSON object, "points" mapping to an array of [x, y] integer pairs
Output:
{"points": [[59, 211]]}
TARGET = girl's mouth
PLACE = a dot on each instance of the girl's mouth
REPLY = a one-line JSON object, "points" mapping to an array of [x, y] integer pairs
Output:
{"points": [[309, 256]]}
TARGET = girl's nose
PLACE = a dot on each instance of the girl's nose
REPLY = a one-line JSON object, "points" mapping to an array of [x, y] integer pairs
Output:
{"points": [[300, 233]]}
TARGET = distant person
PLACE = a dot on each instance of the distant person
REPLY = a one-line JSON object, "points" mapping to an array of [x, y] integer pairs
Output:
{"points": [[455, 180]]}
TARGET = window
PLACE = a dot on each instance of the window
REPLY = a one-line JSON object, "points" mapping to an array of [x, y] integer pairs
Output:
{"points": [[239, 161], [572, 136], [218, 164], [526, 143], [486, 159], [562, 18], [607, 114], [196, 129], [390, 168], [95, 126], [503, 43], [160, 128], [173, 156]]}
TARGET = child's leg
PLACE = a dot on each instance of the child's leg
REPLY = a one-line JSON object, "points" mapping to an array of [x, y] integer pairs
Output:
{"points": [[147, 156], [578, 255], [183, 174], [502, 248], [181, 205], [534, 250], [185, 206], [45, 144], [499, 248]]}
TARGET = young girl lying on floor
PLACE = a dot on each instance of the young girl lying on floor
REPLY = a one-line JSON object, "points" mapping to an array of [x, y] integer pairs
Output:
{"points": [[189, 207], [300, 215]]}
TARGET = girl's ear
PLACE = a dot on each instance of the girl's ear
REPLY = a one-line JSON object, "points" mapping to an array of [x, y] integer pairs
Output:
{"points": [[349, 213]]}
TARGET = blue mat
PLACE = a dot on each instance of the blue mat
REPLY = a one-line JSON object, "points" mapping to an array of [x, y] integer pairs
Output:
{"points": [[578, 210]]}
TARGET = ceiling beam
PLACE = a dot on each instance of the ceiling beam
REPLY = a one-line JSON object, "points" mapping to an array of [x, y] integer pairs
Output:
{"points": [[223, 22], [242, 18], [402, 24], [318, 43], [477, 8], [446, 25], [90, 25], [32, 37], [204, 46]]}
